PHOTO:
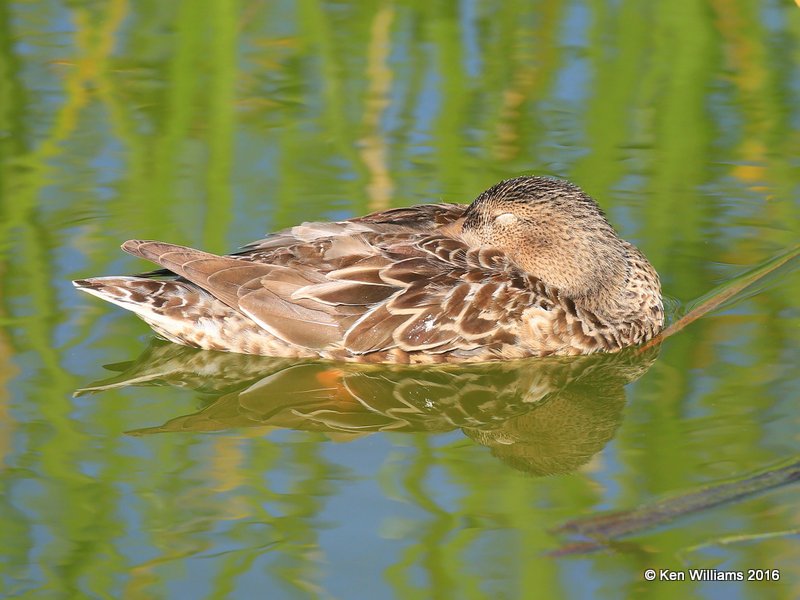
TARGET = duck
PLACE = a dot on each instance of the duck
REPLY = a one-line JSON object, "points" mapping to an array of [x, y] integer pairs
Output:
{"points": [[530, 268]]}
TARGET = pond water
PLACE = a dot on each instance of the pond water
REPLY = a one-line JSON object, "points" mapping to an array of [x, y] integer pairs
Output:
{"points": [[133, 468]]}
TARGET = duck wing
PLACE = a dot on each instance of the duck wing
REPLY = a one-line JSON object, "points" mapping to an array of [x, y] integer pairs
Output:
{"points": [[258, 291], [358, 287], [449, 298]]}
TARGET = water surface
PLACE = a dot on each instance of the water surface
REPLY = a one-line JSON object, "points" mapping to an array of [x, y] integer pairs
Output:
{"points": [[209, 123]]}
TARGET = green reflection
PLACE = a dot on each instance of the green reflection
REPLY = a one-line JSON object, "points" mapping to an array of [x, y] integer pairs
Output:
{"points": [[540, 416], [210, 123]]}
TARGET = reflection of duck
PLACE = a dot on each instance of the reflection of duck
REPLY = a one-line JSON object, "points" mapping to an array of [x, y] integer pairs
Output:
{"points": [[543, 416], [530, 268]]}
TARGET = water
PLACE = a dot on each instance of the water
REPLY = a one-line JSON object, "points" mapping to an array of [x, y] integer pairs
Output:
{"points": [[209, 123]]}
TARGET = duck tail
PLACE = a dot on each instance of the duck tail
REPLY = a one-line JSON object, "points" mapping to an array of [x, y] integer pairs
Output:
{"points": [[139, 295]]}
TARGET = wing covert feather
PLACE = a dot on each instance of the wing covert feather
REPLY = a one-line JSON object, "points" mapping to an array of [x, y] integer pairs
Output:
{"points": [[378, 286]]}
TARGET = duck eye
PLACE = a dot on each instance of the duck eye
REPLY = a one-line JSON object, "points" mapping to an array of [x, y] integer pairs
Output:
{"points": [[505, 219]]}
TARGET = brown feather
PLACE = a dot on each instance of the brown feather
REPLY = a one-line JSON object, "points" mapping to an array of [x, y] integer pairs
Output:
{"points": [[373, 332], [424, 331], [365, 273], [409, 270], [345, 292], [289, 321]]}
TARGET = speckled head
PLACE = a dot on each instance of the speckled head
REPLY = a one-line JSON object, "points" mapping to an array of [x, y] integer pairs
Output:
{"points": [[522, 193], [553, 230]]}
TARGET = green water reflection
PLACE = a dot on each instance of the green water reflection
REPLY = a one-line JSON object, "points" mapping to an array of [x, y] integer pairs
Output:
{"points": [[211, 122], [542, 416]]}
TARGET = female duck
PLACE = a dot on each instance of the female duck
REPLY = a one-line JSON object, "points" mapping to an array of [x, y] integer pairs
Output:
{"points": [[530, 268]]}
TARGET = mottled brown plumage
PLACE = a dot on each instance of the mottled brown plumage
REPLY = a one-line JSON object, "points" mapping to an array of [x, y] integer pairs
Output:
{"points": [[530, 268]]}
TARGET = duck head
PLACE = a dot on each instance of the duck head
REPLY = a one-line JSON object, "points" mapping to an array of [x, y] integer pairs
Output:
{"points": [[553, 230]]}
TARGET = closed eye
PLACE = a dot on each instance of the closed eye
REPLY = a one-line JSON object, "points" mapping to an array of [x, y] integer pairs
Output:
{"points": [[505, 219]]}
